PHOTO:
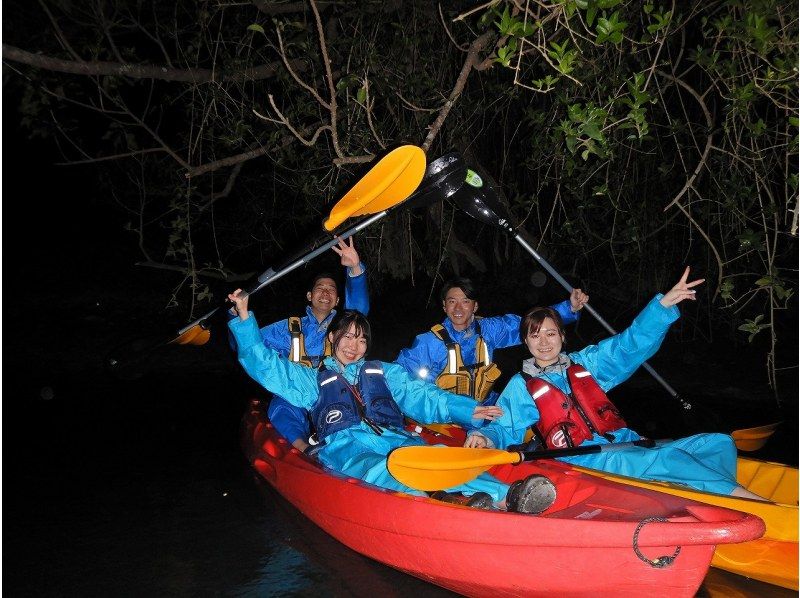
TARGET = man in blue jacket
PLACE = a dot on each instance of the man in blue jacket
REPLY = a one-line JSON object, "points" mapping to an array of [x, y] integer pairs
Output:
{"points": [[457, 354], [303, 339]]}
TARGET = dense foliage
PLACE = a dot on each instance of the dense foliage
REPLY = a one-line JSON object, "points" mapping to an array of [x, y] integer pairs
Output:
{"points": [[630, 137]]}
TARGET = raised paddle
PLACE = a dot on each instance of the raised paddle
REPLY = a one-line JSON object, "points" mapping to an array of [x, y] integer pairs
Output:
{"points": [[480, 198], [398, 175], [400, 171], [437, 467]]}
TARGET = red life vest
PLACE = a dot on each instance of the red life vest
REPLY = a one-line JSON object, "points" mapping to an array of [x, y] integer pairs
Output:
{"points": [[566, 421]]}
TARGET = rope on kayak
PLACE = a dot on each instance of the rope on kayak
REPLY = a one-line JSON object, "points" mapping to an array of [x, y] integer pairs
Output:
{"points": [[660, 562]]}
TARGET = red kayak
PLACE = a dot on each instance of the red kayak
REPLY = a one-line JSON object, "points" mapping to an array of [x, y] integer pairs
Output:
{"points": [[598, 538]]}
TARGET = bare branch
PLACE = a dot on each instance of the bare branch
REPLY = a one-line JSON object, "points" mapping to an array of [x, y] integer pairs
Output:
{"points": [[213, 197], [207, 272], [472, 59], [143, 71], [329, 77], [709, 139], [151, 150], [294, 75]]}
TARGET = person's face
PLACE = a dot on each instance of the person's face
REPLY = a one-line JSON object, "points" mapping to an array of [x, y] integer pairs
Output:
{"points": [[323, 297], [545, 345], [459, 309], [350, 348]]}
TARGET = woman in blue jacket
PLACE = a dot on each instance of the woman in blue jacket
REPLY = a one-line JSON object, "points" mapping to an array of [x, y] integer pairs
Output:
{"points": [[561, 397], [358, 406], [323, 298]]}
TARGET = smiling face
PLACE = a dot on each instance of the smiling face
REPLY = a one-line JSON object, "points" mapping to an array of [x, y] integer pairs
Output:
{"points": [[324, 296], [545, 344], [350, 347], [459, 308]]}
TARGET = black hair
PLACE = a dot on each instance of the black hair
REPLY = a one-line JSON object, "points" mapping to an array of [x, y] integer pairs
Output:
{"points": [[321, 275], [465, 284], [342, 321]]}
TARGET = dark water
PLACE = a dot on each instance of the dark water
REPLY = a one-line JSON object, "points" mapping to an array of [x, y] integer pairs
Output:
{"points": [[139, 488]]}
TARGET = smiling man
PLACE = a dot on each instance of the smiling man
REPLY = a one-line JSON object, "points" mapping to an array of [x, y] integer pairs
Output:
{"points": [[458, 353]]}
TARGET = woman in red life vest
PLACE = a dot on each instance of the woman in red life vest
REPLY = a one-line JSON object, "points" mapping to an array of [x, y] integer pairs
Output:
{"points": [[561, 398]]}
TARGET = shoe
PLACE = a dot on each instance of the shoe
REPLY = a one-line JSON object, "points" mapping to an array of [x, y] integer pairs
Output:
{"points": [[533, 495], [479, 500]]}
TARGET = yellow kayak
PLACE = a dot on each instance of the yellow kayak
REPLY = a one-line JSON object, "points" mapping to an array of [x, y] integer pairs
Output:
{"points": [[773, 558]]}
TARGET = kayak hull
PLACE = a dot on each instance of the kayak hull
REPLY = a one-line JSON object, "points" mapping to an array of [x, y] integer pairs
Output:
{"points": [[586, 543], [774, 557]]}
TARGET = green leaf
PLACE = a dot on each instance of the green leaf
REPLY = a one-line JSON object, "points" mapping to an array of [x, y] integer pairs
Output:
{"points": [[764, 282], [726, 289], [753, 327], [782, 293], [361, 96], [257, 28], [593, 131], [591, 13]]}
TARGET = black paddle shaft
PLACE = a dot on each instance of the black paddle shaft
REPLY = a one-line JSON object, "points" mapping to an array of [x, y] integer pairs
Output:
{"points": [[482, 201], [584, 450]]}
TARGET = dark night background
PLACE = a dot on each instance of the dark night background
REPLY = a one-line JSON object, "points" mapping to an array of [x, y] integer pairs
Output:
{"points": [[136, 486]]}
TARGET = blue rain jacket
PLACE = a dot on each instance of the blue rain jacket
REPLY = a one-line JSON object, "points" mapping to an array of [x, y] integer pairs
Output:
{"points": [[705, 461], [293, 422], [427, 356], [358, 451]]}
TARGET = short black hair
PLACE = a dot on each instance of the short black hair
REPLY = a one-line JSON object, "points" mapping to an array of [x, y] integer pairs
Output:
{"points": [[341, 322], [465, 284], [320, 275]]}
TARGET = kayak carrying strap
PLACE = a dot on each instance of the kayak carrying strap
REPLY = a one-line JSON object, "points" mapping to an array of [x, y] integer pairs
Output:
{"points": [[659, 562]]}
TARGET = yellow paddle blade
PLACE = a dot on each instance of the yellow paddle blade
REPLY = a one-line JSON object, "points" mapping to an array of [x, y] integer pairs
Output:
{"points": [[390, 181], [440, 467], [752, 439], [196, 335]]}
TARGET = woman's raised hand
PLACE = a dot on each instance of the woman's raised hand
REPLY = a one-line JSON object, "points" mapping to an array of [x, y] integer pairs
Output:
{"points": [[240, 303], [490, 413], [682, 290]]}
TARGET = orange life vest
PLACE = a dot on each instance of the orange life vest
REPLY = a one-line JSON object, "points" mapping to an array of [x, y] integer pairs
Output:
{"points": [[475, 380], [568, 420], [297, 347]]}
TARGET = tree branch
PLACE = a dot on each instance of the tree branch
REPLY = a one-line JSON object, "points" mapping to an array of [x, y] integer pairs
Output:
{"points": [[207, 272], [472, 60], [709, 139], [143, 71]]}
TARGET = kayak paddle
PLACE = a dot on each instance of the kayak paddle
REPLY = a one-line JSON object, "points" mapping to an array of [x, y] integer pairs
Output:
{"points": [[437, 467], [389, 182], [394, 177], [752, 439], [480, 198]]}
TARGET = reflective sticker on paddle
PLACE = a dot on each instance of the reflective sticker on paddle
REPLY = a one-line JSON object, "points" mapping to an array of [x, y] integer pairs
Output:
{"points": [[474, 179]]}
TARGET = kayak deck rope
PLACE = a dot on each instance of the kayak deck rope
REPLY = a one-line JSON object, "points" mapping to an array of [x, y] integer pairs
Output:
{"points": [[659, 562]]}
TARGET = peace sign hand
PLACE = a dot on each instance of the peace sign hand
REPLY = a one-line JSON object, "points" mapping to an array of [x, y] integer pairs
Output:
{"points": [[349, 255], [682, 290]]}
